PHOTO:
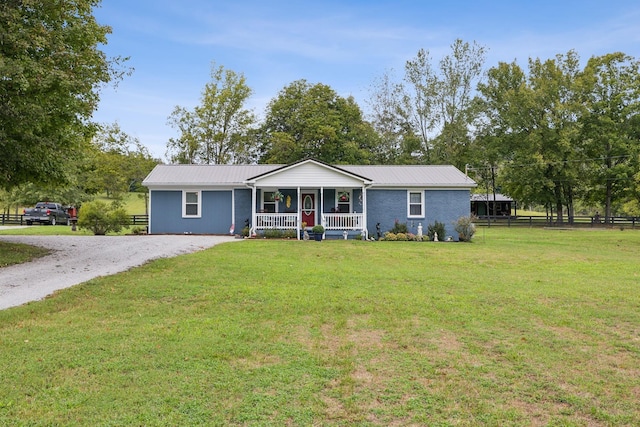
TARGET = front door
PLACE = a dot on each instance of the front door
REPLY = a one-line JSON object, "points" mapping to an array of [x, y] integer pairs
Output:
{"points": [[309, 209]]}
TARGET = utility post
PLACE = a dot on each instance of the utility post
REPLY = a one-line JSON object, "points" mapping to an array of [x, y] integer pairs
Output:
{"points": [[467, 168]]}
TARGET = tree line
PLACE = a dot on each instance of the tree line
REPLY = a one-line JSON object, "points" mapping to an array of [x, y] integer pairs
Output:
{"points": [[554, 134], [113, 163]]}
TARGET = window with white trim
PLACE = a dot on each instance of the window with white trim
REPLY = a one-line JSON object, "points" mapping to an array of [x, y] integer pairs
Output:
{"points": [[415, 204], [191, 204], [269, 202], [343, 201]]}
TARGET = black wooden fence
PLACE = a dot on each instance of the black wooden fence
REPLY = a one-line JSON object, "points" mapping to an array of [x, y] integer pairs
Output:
{"points": [[543, 221], [502, 221], [13, 219]]}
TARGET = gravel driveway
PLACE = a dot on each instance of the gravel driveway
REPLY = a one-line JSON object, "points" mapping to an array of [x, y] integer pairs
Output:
{"points": [[77, 259]]}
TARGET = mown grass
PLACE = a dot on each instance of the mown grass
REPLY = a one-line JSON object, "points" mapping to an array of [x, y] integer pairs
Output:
{"points": [[44, 230], [59, 230], [11, 253], [133, 203], [521, 327]]}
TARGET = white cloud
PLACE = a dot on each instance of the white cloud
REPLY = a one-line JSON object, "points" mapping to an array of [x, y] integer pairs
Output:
{"points": [[342, 44]]}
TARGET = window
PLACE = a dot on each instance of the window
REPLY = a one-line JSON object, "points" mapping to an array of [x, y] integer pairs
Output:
{"points": [[191, 204], [415, 202], [269, 203], [343, 201]]}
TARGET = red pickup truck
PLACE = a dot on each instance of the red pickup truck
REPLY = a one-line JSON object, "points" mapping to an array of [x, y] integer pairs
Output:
{"points": [[46, 213]]}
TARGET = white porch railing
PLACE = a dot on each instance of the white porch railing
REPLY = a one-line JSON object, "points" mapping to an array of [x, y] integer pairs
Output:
{"points": [[332, 221], [343, 221], [280, 221]]}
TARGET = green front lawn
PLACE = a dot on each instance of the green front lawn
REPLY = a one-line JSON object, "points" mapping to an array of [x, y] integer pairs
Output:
{"points": [[44, 230], [15, 253], [521, 327]]}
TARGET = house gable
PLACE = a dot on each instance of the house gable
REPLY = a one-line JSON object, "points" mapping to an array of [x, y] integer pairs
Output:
{"points": [[309, 173]]}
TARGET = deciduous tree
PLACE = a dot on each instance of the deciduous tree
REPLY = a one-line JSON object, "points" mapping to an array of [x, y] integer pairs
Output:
{"points": [[535, 118], [441, 102], [398, 141], [610, 128], [120, 162], [218, 131], [307, 120], [51, 70]]}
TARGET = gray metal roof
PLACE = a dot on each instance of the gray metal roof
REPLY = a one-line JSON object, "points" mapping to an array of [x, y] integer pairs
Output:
{"points": [[236, 175], [483, 197], [222, 175], [413, 175]]}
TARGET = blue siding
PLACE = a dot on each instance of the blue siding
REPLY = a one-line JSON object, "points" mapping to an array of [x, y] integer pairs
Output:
{"points": [[387, 206], [329, 198], [243, 208], [446, 206], [287, 192], [356, 202], [166, 213]]}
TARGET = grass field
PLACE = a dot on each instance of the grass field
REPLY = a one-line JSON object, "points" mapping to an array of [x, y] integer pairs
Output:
{"points": [[521, 327], [132, 202], [13, 253], [46, 230]]}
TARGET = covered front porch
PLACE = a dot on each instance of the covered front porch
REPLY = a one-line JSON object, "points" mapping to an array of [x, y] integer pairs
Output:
{"points": [[309, 193], [301, 209]]}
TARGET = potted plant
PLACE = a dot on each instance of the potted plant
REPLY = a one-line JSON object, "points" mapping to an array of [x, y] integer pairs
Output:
{"points": [[318, 231]]}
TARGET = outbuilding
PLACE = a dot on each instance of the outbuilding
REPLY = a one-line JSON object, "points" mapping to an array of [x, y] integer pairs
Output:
{"points": [[498, 205]]}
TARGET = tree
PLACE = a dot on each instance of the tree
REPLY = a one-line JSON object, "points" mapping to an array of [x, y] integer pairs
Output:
{"points": [[51, 70], [420, 105], [609, 128], [307, 120], [442, 103], [120, 162], [497, 133], [632, 206], [218, 131], [534, 117], [461, 71], [29, 194], [389, 117]]}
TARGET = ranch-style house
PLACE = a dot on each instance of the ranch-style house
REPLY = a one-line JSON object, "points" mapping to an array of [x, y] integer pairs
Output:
{"points": [[347, 200]]}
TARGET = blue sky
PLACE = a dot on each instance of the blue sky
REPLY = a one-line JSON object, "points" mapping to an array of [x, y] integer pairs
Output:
{"points": [[344, 44]]}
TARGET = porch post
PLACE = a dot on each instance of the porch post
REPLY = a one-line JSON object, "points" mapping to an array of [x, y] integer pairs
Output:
{"points": [[253, 210], [299, 211], [364, 212], [322, 207]]}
